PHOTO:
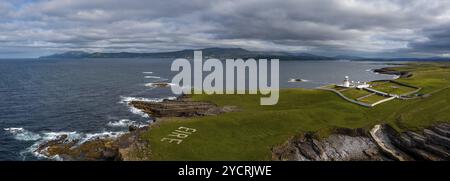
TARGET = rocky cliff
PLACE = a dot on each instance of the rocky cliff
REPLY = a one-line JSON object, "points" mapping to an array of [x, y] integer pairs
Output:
{"points": [[381, 143]]}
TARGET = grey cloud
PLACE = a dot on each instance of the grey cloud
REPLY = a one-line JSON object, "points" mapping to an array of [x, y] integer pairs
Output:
{"points": [[438, 41], [339, 26]]}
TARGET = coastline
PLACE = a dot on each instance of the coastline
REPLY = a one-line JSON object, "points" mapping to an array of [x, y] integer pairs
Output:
{"points": [[131, 146]]}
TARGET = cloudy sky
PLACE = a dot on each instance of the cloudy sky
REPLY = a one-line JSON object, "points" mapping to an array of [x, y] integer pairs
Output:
{"points": [[384, 28]]}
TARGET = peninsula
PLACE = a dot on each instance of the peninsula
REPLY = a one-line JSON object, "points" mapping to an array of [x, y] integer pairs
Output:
{"points": [[306, 124]]}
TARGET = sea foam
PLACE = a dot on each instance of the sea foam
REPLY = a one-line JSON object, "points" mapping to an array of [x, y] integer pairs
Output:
{"points": [[77, 137], [152, 77], [125, 123], [22, 134], [126, 100]]}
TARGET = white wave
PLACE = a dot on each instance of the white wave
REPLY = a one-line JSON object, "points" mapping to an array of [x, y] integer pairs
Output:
{"points": [[71, 136], [22, 134], [138, 112], [152, 77], [79, 138], [369, 70], [124, 99], [125, 123], [102, 135], [147, 72]]}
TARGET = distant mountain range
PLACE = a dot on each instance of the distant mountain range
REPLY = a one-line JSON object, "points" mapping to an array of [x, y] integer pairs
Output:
{"points": [[223, 53]]}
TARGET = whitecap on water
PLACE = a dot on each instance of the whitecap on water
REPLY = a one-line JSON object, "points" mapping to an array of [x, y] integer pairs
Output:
{"points": [[106, 134], [138, 112], [147, 72], [152, 77], [126, 100], [125, 123], [22, 134]]}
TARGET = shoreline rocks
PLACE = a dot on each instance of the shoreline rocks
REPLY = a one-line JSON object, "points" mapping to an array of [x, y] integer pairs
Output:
{"points": [[128, 146], [101, 149]]}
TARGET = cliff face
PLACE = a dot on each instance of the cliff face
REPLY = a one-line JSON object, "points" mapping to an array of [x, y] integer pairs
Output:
{"points": [[337, 147], [382, 143], [431, 144]]}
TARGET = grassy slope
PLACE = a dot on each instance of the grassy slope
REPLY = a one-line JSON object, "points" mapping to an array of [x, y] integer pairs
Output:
{"points": [[250, 133], [393, 88], [354, 93], [373, 99]]}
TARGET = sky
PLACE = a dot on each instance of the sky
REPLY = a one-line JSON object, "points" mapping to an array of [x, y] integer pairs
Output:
{"points": [[370, 28]]}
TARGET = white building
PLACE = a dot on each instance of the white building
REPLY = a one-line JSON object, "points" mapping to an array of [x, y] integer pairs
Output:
{"points": [[348, 84], [363, 85]]}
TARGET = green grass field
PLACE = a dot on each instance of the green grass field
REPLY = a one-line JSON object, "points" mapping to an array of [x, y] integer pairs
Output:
{"points": [[250, 133], [353, 93], [373, 99], [392, 88]]}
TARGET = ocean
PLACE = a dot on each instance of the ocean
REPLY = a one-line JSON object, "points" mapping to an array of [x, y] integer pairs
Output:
{"points": [[88, 98]]}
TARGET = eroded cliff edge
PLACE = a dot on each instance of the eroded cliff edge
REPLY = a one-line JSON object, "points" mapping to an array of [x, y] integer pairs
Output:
{"points": [[380, 143]]}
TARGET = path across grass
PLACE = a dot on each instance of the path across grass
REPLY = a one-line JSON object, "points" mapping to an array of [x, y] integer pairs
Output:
{"points": [[250, 133]]}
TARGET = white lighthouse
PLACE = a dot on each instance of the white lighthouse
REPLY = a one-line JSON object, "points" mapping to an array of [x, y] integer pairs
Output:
{"points": [[346, 82]]}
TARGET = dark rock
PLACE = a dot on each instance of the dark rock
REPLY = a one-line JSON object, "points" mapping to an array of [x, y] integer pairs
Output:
{"points": [[382, 143], [429, 145], [437, 139], [180, 108], [390, 71], [337, 147]]}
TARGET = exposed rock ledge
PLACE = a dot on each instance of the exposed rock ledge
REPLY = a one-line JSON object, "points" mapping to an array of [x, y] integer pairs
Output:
{"points": [[181, 107], [125, 147], [382, 143], [390, 71]]}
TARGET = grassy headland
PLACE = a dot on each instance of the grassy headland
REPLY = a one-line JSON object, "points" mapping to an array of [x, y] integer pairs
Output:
{"points": [[251, 132]]}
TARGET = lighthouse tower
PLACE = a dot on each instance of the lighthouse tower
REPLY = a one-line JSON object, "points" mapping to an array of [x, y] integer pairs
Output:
{"points": [[346, 82]]}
